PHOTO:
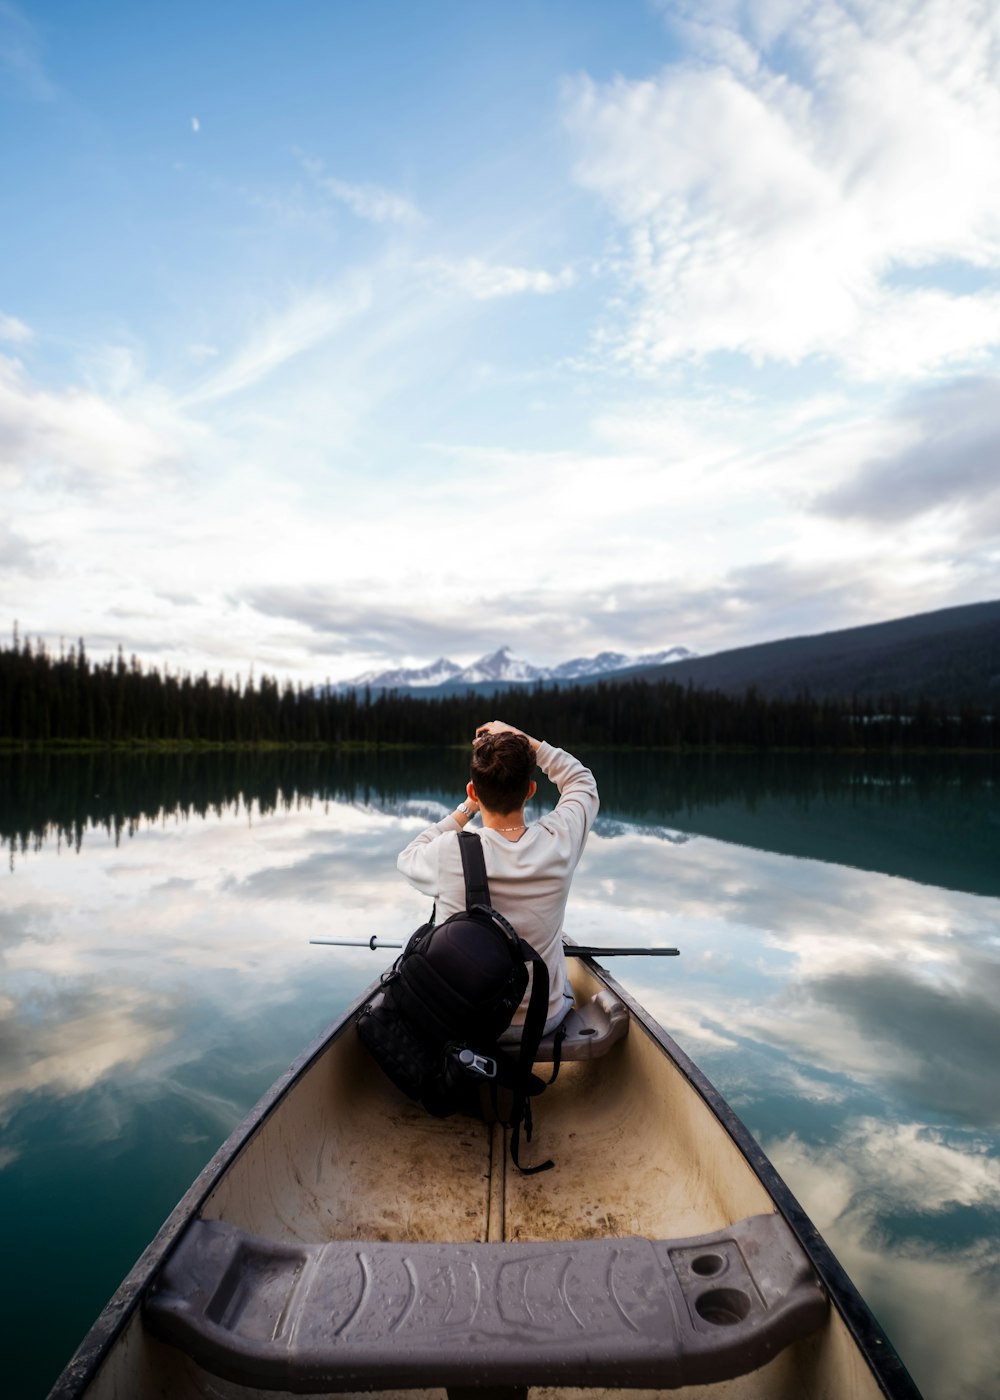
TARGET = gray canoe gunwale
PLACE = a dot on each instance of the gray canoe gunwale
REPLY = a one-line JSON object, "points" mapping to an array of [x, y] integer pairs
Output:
{"points": [[873, 1345]]}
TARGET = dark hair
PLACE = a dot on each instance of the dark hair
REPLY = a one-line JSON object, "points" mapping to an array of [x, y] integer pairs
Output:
{"points": [[501, 769]]}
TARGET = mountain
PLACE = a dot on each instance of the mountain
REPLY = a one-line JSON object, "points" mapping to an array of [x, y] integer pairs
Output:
{"points": [[952, 656], [437, 673], [502, 667], [608, 661]]}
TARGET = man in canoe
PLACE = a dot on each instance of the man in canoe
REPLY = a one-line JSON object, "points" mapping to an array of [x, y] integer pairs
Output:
{"points": [[529, 868]]}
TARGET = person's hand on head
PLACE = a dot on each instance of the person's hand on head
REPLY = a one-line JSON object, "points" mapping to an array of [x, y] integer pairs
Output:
{"points": [[497, 726]]}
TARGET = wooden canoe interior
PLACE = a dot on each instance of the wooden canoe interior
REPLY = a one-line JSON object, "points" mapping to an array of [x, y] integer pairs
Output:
{"points": [[637, 1152]]}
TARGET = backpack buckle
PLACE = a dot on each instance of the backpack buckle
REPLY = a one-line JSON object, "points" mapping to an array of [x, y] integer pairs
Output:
{"points": [[479, 1065]]}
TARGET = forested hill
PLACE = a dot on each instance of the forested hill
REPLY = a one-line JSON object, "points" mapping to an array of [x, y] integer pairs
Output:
{"points": [[951, 656]]}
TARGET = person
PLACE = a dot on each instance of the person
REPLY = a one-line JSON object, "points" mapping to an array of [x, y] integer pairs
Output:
{"points": [[529, 868]]}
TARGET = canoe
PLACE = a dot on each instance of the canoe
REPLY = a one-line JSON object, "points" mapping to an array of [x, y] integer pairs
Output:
{"points": [[343, 1242]]}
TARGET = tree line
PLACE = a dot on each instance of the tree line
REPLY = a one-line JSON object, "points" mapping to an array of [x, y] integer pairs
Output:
{"points": [[69, 698]]}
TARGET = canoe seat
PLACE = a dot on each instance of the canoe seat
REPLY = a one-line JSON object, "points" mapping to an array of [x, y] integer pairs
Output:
{"points": [[352, 1315], [591, 1029]]}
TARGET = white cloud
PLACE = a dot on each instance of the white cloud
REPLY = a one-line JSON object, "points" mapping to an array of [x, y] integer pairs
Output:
{"points": [[195, 124], [922, 1170], [367, 201], [94, 1041], [484, 281], [17, 555], [768, 200], [13, 330], [307, 321], [923, 331], [73, 436], [928, 1276]]}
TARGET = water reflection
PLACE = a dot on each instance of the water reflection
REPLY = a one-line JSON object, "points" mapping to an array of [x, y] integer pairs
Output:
{"points": [[157, 976], [60, 797], [851, 1020], [926, 818]]}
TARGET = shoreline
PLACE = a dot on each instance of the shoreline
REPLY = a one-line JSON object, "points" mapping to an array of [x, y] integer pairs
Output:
{"points": [[270, 746]]}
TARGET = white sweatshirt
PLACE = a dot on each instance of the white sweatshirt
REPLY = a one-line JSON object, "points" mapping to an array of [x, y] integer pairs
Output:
{"points": [[529, 878]]}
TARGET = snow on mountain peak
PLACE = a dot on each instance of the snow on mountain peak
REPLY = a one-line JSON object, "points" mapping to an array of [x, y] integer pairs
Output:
{"points": [[502, 666], [436, 673]]}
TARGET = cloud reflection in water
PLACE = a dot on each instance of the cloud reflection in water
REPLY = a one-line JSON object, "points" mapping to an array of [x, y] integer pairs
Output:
{"points": [[848, 1016], [850, 1019]]}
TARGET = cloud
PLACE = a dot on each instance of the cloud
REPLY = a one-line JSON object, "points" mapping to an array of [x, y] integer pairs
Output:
{"points": [[892, 1200], [307, 321], [353, 621], [874, 982], [372, 202], [770, 188], [358, 853], [547, 623], [949, 457], [921, 1171], [85, 1037], [483, 281], [13, 330], [939, 1036], [73, 436], [18, 555], [890, 983], [195, 125]]}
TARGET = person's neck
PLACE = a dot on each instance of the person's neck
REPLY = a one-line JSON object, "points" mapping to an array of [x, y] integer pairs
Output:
{"points": [[509, 823]]}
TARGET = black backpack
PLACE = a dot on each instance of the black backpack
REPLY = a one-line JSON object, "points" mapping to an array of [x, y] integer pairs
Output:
{"points": [[453, 991]]}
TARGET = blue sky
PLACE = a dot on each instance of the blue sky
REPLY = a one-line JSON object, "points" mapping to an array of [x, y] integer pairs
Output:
{"points": [[333, 335]]}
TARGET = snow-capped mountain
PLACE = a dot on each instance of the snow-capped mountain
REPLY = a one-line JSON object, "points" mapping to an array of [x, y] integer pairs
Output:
{"points": [[503, 667], [606, 661], [436, 673]]}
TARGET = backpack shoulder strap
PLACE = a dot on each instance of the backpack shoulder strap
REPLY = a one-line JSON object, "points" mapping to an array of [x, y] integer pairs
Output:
{"points": [[477, 889], [531, 1034]]}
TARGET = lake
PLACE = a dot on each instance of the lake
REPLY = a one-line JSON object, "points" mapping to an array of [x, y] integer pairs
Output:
{"points": [[839, 981]]}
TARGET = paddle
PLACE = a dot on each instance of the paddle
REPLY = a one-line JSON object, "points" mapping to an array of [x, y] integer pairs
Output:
{"points": [[572, 950]]}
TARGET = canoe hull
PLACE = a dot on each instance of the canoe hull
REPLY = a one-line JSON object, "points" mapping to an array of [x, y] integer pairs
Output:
{"points": [[644, 1147]]}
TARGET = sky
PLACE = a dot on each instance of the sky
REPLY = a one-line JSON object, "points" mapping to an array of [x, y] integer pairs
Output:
{"points": [[339, 335]]}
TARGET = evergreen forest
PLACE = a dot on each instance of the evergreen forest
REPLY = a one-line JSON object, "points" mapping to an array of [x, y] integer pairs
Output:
{"points": [[69, 700]]}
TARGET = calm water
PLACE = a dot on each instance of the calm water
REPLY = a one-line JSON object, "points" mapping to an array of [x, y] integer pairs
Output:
{"points": [[839, 923]]}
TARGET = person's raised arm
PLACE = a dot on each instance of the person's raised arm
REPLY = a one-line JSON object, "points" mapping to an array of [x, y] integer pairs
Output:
{"points": [[419, 861]]}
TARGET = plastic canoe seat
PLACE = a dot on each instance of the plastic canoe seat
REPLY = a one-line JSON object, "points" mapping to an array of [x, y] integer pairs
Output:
{"points": [[366, 1316], [591, 1029]]}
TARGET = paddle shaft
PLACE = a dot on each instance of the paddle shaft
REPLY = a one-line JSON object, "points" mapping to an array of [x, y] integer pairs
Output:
{"points": [[572, 950]]}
